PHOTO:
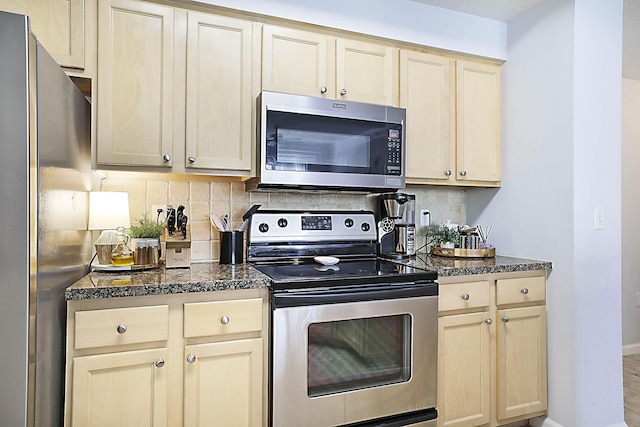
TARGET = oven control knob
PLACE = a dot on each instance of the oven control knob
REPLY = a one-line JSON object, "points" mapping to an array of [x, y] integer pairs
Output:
{"points": [[365, 227], [282, 222], [263, 227], [348, 222]]}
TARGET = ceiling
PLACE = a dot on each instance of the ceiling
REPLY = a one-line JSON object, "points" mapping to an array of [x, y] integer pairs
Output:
{"points": [[506, 10]]}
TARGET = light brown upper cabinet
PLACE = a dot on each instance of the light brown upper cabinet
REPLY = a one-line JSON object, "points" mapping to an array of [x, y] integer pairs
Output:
{"points": [[453, 120], [219, 95], [479, 133], [307, 63], [427, 91], [174, 89], [135, 83], [58, 25]]}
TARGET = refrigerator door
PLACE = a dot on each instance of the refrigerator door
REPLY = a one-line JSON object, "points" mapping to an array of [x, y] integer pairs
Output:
{"points": [[14, 187], [45, 177]]}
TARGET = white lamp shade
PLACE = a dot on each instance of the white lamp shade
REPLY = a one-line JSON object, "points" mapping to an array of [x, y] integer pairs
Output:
{"points": [[108, 210]]}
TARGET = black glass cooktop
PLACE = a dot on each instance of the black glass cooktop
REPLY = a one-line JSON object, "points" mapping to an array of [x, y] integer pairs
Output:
{"points": [[346, 272]]}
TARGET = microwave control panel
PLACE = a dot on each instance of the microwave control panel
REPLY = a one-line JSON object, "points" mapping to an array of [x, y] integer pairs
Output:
{"points": [[394, 153]]}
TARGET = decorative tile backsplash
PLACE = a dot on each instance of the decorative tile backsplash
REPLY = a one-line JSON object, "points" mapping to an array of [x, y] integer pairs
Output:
{"points": [[202, 197]]}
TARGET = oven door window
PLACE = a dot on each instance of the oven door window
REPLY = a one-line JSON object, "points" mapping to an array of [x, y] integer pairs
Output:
{"points": [[354, 354], [310, 143]]}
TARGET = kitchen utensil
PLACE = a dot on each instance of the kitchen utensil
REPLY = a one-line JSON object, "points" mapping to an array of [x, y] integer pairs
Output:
{"points": [[217, 222]]}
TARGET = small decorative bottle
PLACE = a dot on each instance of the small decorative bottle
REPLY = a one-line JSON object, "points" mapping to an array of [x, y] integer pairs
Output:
{"points": [[122, 254]]}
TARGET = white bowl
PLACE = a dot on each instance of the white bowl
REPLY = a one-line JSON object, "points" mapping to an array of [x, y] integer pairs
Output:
{"points": [[326, 260]]}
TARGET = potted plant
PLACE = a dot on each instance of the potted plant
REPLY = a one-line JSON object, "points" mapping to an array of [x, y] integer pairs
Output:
{"points": [[144, 237], [443, 236]]}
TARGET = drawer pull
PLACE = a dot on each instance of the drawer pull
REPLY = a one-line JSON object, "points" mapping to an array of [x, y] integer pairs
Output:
{"points": [[122, 328], [159, 363], [488, 321], [191, 358], [465, 297], [224, 320], [524, 291], [323, 89], [505, 319]]}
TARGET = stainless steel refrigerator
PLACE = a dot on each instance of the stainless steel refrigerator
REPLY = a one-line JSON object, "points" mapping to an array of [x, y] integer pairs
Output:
{"points": [[45, 176]]}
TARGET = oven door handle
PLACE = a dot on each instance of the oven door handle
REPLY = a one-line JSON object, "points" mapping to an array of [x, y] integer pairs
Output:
{"points": [[354, 294]]}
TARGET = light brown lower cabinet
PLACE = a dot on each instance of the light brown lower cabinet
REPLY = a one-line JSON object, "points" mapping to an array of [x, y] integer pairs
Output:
{"points": [[492, 364], [173, 360]]}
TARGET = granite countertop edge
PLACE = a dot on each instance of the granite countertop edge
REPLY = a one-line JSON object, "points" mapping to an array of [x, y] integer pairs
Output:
{"points": [[448, 267], [210, 277]]}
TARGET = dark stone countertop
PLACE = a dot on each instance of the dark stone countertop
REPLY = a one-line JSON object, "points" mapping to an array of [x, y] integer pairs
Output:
{"points": [[207, 277], [446, 266]]}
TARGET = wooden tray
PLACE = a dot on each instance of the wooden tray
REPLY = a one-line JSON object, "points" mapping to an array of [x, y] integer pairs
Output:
{"points": [[464, 253]]}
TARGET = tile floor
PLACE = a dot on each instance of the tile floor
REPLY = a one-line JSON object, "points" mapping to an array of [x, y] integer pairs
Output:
{"points": [[631, 381]]}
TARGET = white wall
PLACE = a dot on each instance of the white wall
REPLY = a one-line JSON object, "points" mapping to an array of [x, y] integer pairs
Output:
{"points": [[404, 20], [630, 218], [561, 156]]}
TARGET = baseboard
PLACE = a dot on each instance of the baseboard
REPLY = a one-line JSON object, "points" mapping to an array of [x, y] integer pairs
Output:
{"points": [[630, 349], [543, 421]]}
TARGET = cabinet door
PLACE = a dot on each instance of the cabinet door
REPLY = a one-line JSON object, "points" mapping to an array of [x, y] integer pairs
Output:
{"points": [[135, 87], [130, 387], [58, 25], [522, 361], [464, 369], [478, 122], [295, 61], [219, 96], [427, 92], [223, 384], [366, 72]]}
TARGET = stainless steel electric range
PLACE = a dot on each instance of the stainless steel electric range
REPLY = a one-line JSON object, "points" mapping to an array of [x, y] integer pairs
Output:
{"points": [[353, 337]]}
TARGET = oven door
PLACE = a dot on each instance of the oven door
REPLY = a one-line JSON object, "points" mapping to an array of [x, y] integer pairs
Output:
{"points": [[335, 363]]}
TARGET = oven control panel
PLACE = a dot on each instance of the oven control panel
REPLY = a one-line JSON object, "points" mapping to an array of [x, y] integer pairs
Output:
{"points": [[298, 226]]}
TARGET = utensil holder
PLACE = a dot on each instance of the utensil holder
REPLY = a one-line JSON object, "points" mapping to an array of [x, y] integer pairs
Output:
{"points": [[231, 247]]}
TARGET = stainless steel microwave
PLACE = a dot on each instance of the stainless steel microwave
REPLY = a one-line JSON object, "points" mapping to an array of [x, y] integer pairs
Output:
{"points": [[315, 143]]}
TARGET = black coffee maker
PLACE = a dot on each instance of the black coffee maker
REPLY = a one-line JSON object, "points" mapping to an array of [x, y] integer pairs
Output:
{"points": [[396, 225]]}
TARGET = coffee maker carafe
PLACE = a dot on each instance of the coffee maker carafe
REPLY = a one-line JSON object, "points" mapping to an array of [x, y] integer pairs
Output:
{"points": [[396, 225]]}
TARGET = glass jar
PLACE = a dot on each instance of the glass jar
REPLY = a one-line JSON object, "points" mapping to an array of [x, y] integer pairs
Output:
{"points": [[122, 254]]}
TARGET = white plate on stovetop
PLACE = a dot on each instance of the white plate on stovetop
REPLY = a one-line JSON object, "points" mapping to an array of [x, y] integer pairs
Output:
{"points": [[326, 260]]}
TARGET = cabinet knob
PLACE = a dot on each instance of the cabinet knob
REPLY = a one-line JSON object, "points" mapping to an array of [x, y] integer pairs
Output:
{"points": [[159, 363], [465, 297], [448, 172], [191, 358], [224, 320], [343, 92], [505, 319], [488, 321], [122, 328], [191, 159], [463, 173], [323, 89], [166, 158], [524, 291]]}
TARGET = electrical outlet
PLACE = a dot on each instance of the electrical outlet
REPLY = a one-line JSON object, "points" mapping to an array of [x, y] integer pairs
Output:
{"points": [[163, 212], [425, 218], [598, 218]]}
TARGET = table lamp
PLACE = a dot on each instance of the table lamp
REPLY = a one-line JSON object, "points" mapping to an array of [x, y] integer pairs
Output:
{"points": [[108, 210]]}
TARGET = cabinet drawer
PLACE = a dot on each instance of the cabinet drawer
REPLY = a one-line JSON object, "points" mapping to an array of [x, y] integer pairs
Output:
{"points": [[460, 296], [100, 328], [520, 290], [222, 317]]}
